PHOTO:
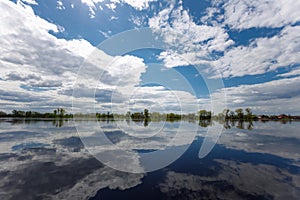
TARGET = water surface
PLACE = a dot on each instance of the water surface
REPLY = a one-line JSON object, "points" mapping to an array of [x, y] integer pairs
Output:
{"points": [[47, 160]]}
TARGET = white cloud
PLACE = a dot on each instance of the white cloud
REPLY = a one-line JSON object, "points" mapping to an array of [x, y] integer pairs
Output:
{"points": [[36, 65], [139, 4], [138, 20], [114, 82], [96, 5], [32, 2], [80, 47], [191, 41], [194, 43], [262, 55], [60, 5], [91, 3], [125, 71], [102, 76], [157, 99], [172, 60], [274, 97], [260, 13], [181, 25]]}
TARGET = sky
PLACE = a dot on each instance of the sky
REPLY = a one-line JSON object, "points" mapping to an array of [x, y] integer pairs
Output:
{"points": [[167, 56]]}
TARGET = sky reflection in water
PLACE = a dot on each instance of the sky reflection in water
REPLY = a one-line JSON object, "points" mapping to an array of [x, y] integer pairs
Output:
{"points": [[47, 160]]}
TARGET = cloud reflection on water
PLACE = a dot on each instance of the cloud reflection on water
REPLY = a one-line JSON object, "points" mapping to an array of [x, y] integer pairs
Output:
{"points": [[39, 160]]}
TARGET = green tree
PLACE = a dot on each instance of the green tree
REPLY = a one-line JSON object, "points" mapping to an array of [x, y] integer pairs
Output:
{"points": [[226, 113], [3, 114], [205, 115], [146, 113], [231, 115], [239, 113], [128, 115], [202, 114], [15, 113], [208, 115], [248, 114], [28, 113], [61, 112]]}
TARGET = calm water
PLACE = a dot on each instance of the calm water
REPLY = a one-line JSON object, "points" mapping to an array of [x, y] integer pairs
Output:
{"points": [[47, 160]]}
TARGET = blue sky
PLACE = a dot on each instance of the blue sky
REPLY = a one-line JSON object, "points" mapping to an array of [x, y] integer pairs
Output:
{"points": [[244, 54]]}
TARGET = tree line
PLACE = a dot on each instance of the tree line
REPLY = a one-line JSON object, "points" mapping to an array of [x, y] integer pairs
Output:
{"points": [[57, 113], [227, 114]]}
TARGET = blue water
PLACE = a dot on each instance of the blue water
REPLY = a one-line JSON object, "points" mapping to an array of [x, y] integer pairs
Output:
{"points": [[40, 160]]}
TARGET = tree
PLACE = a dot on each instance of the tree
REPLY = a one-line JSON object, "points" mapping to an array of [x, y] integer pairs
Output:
{"points": [[128, 115], [239, 113], [136, 116], [18, 113], [28, 113], [202, 114], [248, 113], [191, 116], [15, 113], [62, 112], [3, 114], [226, 112], [231, 114], [146, 113], [240, 124], [208, 115], [156, 116], [173, 117]]}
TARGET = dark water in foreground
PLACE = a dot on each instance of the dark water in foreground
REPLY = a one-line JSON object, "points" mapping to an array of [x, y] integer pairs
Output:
{"points": [[47, 160]]}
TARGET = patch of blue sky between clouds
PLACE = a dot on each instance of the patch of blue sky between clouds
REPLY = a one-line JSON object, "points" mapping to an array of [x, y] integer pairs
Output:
{"points": [[77, 23], [158, 74]]}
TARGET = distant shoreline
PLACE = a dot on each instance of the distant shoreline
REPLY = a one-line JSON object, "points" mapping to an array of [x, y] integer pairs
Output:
{"points": [[134, 120], [147, 116]]}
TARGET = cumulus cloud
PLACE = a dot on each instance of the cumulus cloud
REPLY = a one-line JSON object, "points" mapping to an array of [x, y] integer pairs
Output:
{"points": [[195, 43], [37, 61], [15, 76], [97, 5], [156, 99], [32, 2], [139, 4], [172, 60], [125, 70], [191, 41], [274, 97], [262, 55], [32, 57], [258, 13]]}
